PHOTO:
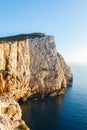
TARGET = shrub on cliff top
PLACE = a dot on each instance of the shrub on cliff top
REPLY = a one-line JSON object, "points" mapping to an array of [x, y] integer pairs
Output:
{"points": [[22, 37]]}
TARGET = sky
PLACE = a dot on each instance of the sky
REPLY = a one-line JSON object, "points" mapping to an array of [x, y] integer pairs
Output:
{"points": [[65, 19]]}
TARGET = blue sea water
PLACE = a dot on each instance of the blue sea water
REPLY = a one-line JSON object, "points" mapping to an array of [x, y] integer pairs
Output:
{"points": [[67, 112]]}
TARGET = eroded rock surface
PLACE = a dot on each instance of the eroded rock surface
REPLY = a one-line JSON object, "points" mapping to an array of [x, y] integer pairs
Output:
{"points": [[31, 65], [10, 115]]}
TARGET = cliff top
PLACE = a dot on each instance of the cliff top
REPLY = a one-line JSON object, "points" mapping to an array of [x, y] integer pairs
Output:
{"points": [[22, 37]]}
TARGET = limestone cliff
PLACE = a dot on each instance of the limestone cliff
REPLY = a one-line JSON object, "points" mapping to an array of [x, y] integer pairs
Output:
{"points": [[29, 65], [10, 115]]}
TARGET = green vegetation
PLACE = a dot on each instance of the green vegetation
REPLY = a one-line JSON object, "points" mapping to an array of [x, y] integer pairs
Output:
{"points": [[22, 127], [22, 37]]}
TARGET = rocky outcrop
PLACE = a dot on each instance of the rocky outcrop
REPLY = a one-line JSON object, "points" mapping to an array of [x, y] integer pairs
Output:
{"points": [[10, 115], [30, 65], [66, 70]]}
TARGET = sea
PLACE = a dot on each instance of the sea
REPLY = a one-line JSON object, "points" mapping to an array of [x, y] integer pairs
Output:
{"points": [[65, 112]]}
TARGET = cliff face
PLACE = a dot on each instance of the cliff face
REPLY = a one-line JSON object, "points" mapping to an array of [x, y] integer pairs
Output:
{"points": [[31, 66], [10, 115]]}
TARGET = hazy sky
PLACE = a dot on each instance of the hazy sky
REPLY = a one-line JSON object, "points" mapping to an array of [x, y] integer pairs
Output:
{"points": [[65, 19]]}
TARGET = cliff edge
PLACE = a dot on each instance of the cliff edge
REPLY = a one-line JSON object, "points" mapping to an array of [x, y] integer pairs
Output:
{"points": [[30, 65]]}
